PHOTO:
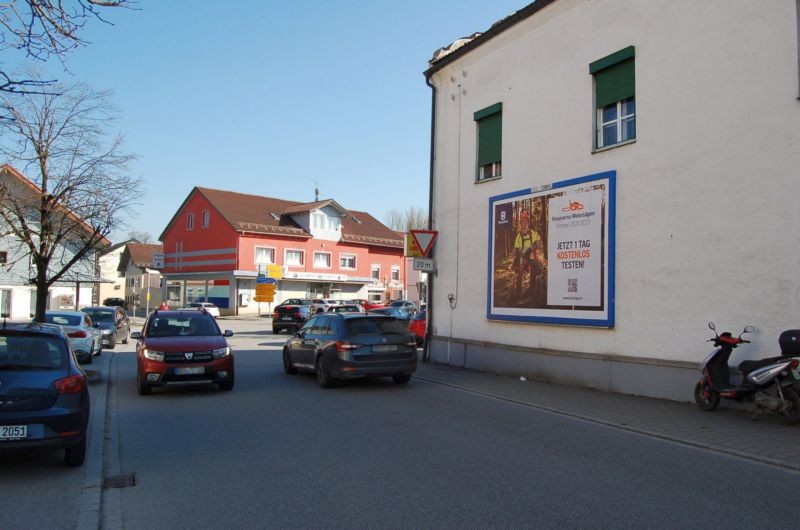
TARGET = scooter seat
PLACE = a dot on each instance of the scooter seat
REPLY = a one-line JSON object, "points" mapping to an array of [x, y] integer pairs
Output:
{"points": [[748, 366]]}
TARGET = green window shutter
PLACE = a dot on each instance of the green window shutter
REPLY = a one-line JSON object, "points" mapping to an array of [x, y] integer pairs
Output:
{"points": [[490, 134], [614, 77]]}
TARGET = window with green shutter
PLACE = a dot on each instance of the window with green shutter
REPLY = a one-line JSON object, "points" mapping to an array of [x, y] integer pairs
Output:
{"points": [[490, 141], [615, 97]]}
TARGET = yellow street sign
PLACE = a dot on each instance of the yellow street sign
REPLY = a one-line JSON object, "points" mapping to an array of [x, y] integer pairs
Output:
{"points": [[265, 289], [412, 250], [263, 298], [275, 271]]}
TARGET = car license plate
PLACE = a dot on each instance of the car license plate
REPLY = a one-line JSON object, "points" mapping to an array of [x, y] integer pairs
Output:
{"points": [[190, 370], [286, 318], [384, 348], [13, 432]]}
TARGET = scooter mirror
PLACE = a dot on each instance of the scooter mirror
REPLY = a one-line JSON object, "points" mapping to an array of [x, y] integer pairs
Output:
{"points": [[748, 329], [711, 326]]}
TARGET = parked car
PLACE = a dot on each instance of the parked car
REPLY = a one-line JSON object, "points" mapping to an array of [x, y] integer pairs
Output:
{"points": [[321, 303], [346, 308], [113, 323], [400, 314], [339, 346], [182, 346], [290, 317], [407, 305], [418, 325], [84, 338], [366, 304], [296, 301], [208, 306], [44, 400], [115, 302]]}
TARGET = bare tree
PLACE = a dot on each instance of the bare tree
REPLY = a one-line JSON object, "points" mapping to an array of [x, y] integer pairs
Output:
{"points": [[412, 219], [46, 28], [77, 187], [140, 236]]}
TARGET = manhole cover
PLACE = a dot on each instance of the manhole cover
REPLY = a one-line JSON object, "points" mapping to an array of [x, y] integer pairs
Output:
{"points": [[120, 481]]}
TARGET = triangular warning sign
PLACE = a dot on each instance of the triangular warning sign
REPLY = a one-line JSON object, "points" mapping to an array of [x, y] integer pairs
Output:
{"points": [[424, 240]]}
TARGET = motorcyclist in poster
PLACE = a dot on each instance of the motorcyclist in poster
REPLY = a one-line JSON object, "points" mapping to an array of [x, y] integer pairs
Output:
{"points": [[521, 278]]}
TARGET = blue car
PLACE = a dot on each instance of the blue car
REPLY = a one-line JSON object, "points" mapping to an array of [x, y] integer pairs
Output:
{"points": [[396, 312], [44, 400]]}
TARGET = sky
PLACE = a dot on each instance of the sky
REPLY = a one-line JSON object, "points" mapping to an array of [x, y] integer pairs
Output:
{"points": [[274, 98]]}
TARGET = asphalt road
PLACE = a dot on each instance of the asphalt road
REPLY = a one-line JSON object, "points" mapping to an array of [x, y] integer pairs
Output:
{"points": [[278, 451]]}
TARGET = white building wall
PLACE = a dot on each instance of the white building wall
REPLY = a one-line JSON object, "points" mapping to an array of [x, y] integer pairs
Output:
{"points": [[707, 212]]}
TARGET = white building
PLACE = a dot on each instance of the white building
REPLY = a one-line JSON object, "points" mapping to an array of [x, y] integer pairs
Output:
{"points": [[655, 147], [114, 280]]}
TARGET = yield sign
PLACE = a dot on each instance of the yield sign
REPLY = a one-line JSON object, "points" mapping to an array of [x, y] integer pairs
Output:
{"points": [[424, 240]]}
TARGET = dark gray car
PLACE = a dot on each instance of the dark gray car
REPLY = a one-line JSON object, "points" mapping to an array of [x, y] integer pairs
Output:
{"points": [[340, 346], [113, 322]]}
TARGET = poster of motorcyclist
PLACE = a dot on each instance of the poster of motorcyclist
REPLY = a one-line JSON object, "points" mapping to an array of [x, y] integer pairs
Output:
{"points": [[551, 254]]}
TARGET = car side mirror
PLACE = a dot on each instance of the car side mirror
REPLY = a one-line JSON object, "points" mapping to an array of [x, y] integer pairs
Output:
{"points": [[300, 334], [136, 335], [228, 333]]}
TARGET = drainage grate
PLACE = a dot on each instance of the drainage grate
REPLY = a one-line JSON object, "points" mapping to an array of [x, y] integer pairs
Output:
{"points": [[124, 480]]}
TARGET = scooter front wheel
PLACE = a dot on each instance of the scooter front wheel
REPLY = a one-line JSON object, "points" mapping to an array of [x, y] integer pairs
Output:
{"points": [[790, 413], [705, 398]]}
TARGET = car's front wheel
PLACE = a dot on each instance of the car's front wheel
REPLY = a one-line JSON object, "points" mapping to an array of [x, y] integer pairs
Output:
{"points": [[227, 385], [142, 388], [288, 367]]}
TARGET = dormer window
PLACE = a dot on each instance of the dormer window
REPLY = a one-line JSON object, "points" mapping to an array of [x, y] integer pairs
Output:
{"points": [[318, 221]]}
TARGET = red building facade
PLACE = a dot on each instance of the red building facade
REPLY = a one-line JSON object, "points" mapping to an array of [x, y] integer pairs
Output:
{"points": [[218, 241]]}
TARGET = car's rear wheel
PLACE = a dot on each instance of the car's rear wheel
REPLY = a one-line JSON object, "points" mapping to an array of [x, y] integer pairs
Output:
{"points": [[75, 455], [125, 338], [323, 377], [142, 388], [276, 331], [287, 363], [401, 379], [112, 344]]}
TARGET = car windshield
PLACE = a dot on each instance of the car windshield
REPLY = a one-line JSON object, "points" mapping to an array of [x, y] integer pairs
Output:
{"points": [[101, 315], [374, 326], [63, 320], [31, 352], [181, 326]]}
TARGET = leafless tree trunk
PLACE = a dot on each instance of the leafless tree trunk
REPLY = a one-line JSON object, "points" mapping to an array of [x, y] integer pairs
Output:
{"points": [[63, 144]]}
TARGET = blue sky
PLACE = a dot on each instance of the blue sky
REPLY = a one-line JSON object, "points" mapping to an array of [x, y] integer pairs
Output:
{"points": [[270, 98]]}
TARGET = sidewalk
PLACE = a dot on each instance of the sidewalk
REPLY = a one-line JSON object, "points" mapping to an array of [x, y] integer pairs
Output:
{"points": [[725, 430]]}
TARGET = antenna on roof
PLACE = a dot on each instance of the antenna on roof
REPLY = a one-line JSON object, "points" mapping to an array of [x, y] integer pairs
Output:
{"points": [[316, 191]]}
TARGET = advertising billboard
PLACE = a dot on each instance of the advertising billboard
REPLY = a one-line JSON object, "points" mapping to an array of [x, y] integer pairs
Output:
{"points": [[551, 253]]}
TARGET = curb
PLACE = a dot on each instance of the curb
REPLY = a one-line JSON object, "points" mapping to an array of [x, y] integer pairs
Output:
{"points": [[89, 505]]}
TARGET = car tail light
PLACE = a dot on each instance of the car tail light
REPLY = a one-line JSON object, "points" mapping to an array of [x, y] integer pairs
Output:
{"points": [[77, 335], [794, 364], [275, 315], [343, 350], [70, 385]]}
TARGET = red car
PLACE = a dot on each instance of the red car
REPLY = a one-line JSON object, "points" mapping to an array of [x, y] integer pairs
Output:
{"points": [[418, 325], [182, 346], [366, 304]]}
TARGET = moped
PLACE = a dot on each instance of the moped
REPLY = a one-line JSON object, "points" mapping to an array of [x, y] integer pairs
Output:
{"points": [[767, 383]]}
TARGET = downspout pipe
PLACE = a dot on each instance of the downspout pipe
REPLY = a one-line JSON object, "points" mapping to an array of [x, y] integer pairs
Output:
{"points": [[426, 353]]}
